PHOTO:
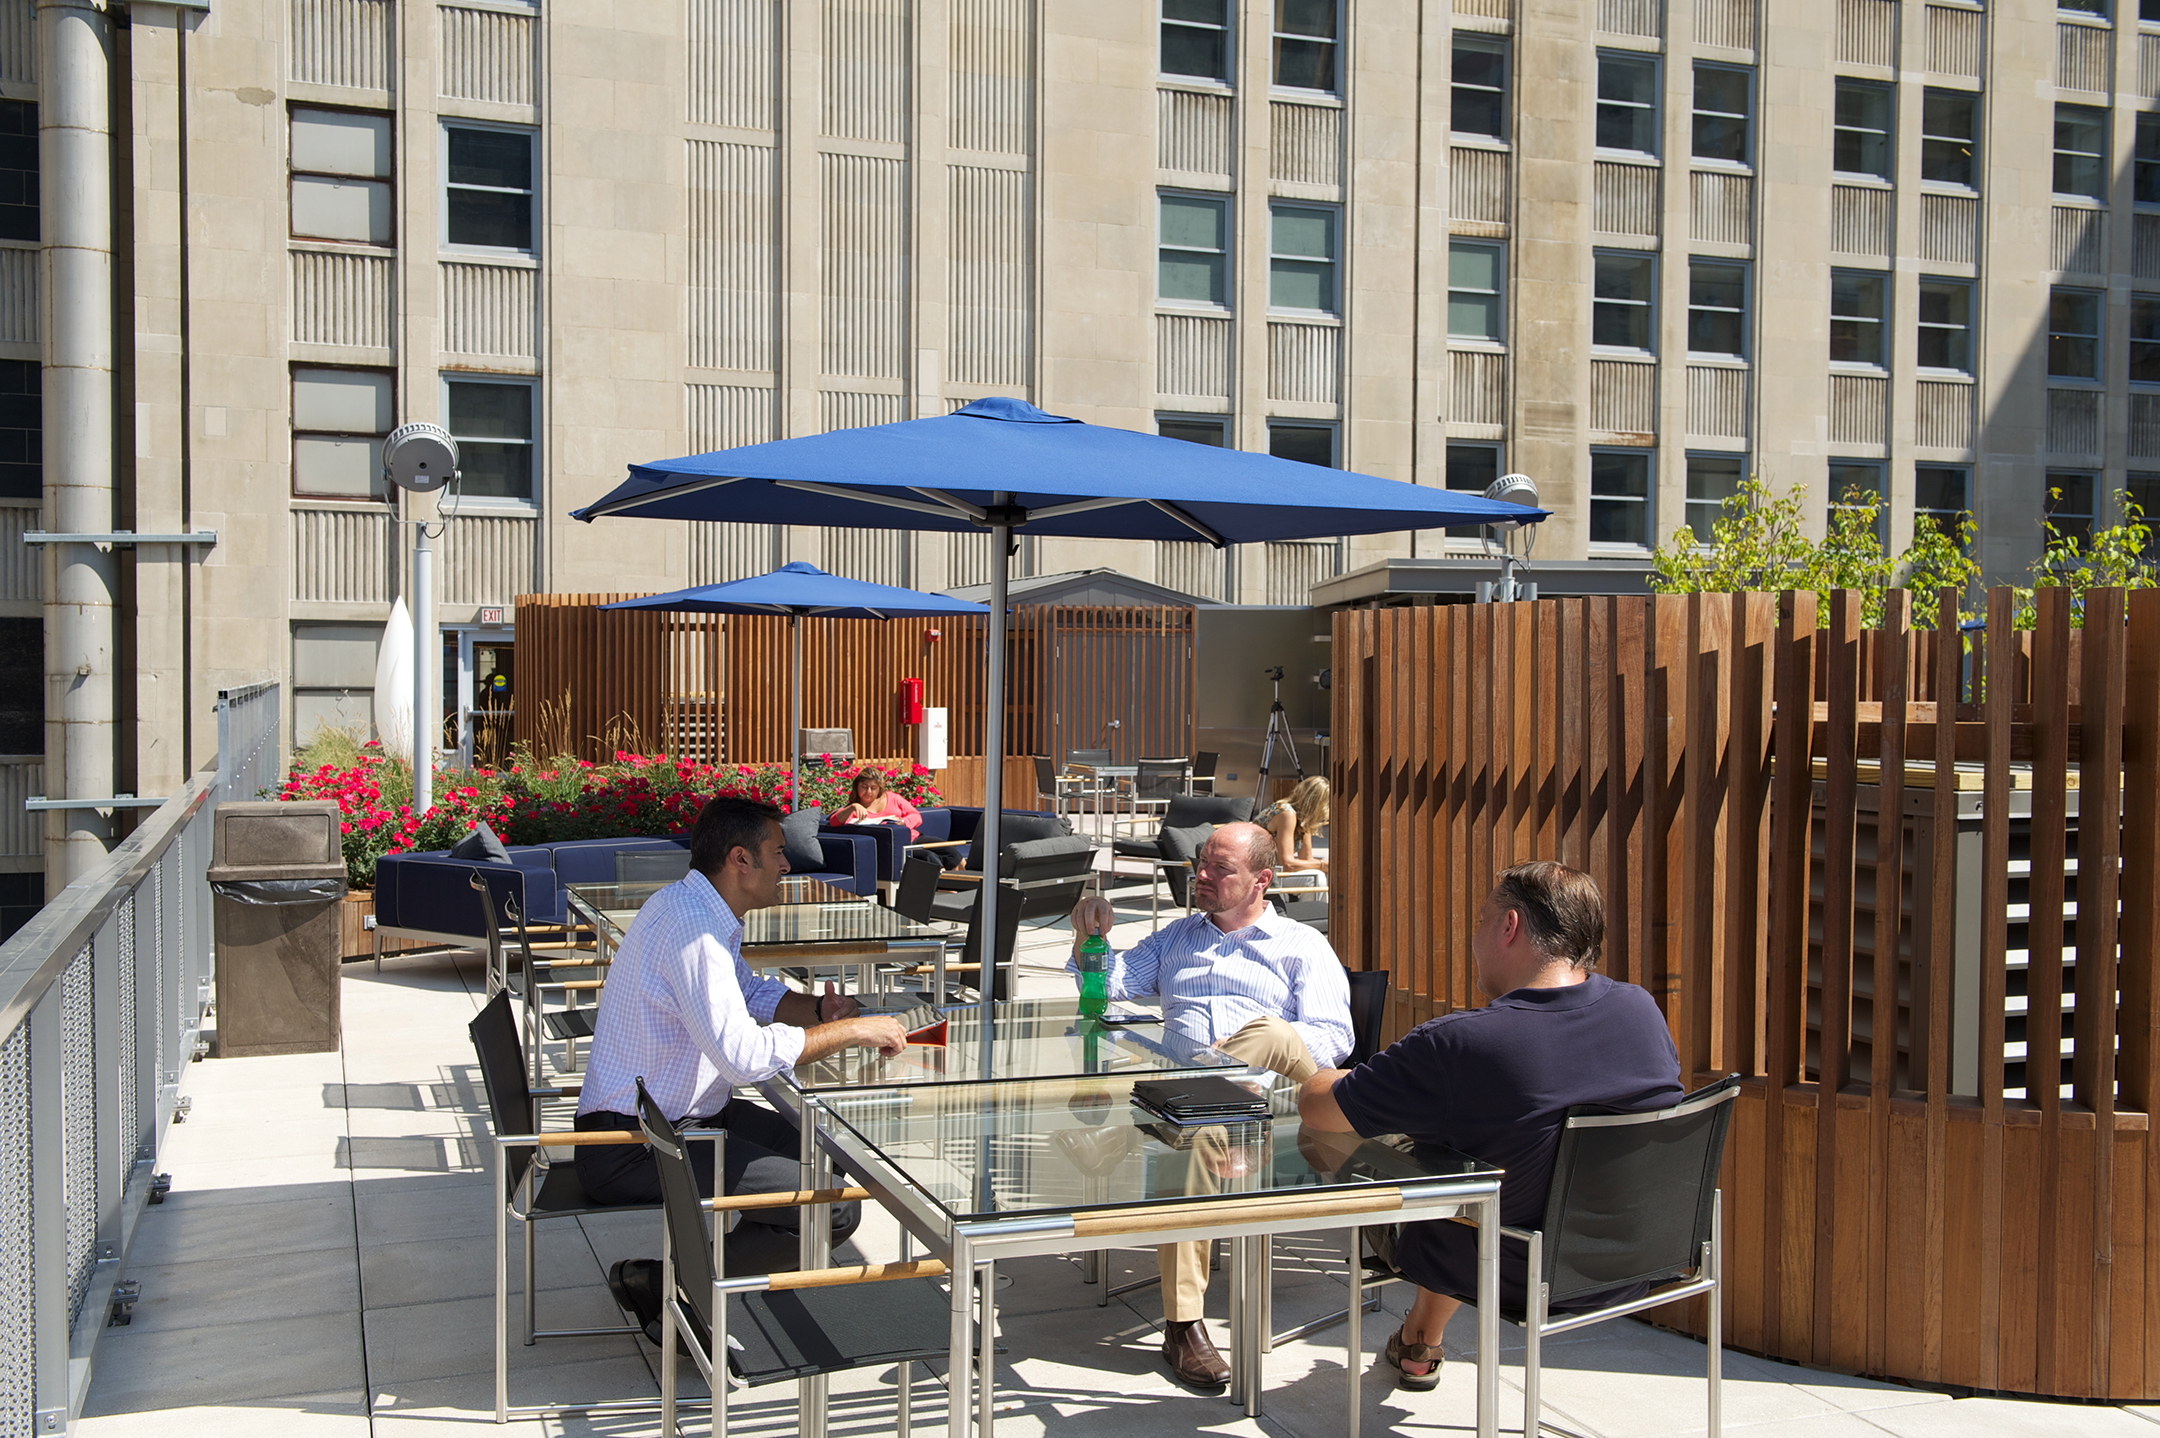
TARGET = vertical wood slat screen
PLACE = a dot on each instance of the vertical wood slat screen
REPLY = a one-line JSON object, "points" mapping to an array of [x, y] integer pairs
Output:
{"points": [[1879, 1218]]}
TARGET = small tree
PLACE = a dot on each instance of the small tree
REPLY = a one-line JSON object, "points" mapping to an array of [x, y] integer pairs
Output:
{"points": [[1756, 543], [2117, 557], [1938, 559]]}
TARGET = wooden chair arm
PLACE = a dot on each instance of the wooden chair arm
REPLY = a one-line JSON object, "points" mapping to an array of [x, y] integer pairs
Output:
{"points": [[939, 843], [856, 1273], [799, 1198], [574, 1138]]}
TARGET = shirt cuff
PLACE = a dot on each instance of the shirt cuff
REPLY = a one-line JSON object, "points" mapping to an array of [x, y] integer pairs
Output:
{"points": [[763, 999], [787, 1044]]}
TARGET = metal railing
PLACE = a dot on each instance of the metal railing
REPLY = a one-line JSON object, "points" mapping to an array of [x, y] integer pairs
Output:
{"points": [[102, 996]]}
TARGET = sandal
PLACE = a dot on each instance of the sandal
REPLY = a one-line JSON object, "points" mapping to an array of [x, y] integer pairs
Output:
{"points": [[1399, 1353]]}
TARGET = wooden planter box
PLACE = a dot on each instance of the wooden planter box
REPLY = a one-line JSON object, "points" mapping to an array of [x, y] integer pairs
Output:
{"points": [[355, 939]]}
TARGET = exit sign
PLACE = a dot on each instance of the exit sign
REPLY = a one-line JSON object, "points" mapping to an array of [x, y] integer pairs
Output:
{"points": [[491, 616]]}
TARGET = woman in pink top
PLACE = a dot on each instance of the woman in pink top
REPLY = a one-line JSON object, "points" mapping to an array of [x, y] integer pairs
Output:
{"points": [[876, 804]]}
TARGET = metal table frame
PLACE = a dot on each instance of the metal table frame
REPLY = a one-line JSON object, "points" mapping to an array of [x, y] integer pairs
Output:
{"points": [[976, 1246]]}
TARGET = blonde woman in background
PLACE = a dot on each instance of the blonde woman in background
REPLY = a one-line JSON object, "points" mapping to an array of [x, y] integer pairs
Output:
{"points": [[1294, 821]]}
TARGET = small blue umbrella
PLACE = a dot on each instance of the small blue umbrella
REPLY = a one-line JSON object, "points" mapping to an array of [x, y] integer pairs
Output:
{"points": [[1006, 466], [797, 590]]}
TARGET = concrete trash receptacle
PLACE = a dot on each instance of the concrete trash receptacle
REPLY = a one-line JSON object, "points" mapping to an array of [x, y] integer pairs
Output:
{"points": [[277, 877]]}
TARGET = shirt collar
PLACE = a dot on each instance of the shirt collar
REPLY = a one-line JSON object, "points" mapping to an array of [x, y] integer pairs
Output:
{"points": [[704, 892], [1268, 924], [1572, 996]]}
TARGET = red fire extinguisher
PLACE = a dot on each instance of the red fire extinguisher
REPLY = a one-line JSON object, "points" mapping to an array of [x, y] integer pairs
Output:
{"points": [[911, 701]]}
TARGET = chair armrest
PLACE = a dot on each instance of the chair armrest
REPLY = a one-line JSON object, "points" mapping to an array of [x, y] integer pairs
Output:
{"points": [[939, 843], [854, 855], [958, 876], [569, 1138], [800, 1198]]}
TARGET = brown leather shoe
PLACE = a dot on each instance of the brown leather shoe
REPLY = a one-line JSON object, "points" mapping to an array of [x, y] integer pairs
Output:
{"points": [[1191, 1355]]}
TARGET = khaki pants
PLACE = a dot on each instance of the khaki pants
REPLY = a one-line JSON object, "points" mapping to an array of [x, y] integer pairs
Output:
{"points": [[1267, 1043]]}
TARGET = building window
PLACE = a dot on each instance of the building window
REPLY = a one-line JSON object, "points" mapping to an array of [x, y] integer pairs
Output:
{"points": [[1856, 317], [1853, 482], [1946, 325], [2069, 505], [1196, 39], [1942, 492], [2144, 488], [1207, 429], [2145, 339], [1623, 302], [2081, 151], [1472, 468], [492, 422], [1306, 32], [1861, 143], [1717, 309], [2074, 334], [1711, 480], [2084, 7], [1479, 101], [1193, 261], [1477, 286], [340, 177], [339, 419], [488, 188], [1627, 108], [2147, 161], [22, 430], [1305, 443], [1301, 258], [1949, 143], [333, 677], [1722, 108], [18, 171], [1620, 497]]}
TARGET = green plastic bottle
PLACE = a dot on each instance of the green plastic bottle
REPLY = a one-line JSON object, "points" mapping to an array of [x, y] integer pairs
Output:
{"points": [[1094, 966]]}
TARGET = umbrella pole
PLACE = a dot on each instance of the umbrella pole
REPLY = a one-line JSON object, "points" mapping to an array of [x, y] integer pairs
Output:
{"points": [[993, 783], [794, 631]]}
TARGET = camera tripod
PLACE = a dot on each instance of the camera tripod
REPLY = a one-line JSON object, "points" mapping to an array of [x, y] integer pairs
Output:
{"points": [[1278, 726]]}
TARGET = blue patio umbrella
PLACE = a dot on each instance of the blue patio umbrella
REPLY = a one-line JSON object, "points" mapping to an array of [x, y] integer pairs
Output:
{"points": [[1006, 466], [798, 590]]}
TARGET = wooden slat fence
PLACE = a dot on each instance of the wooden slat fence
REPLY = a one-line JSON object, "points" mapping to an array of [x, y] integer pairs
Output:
{"points": [[1907, 1193]]}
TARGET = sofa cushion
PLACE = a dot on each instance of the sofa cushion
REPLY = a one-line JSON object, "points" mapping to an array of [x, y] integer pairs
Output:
{"points": [[799, 831], [481, 845]]}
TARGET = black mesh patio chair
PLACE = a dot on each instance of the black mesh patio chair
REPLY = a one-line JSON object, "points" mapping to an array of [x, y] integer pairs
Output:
{"points": [[1203, 772], [531, 1191], [776, 1326], [1368, 1014], [1056, 787], [1040, 879]]}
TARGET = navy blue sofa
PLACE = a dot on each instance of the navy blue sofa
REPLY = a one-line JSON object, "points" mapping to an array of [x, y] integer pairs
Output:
{"points": [[440, 906]]}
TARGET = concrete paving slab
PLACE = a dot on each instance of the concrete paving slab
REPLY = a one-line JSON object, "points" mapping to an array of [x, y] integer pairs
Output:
{"points": [[256, 1223], [2011, 1418], [328, 1415], [208, 1364], [415, 1342], [416, 1407], [433, 1269], [220, 1290]]}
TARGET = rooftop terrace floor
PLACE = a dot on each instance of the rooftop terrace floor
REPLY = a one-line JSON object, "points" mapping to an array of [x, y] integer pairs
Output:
{"points": [[322, 1269]]}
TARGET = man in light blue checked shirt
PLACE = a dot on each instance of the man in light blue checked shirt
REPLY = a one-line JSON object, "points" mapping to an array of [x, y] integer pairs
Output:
{"points": [[1240, 977]]}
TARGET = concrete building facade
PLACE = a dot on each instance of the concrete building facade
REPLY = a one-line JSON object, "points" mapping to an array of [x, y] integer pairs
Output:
{"points": [[1637, 249]]}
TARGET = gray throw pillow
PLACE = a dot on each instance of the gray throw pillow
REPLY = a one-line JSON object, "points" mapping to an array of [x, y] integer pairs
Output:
{"points": [[1183, 843], [480, 846], [799, 831]]}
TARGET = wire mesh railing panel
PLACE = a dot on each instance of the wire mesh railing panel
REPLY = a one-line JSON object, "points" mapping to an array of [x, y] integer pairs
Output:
{"points": [[18, 1401], [124, 1029], [78, 1088]]}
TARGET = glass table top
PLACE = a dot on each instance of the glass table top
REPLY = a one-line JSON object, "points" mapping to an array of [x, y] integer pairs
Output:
{"points": [[809, 912], [1055, 1146], [1033, 1038]]}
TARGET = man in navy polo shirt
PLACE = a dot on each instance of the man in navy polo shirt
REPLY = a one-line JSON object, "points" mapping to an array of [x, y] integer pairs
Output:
{"points": [[1497, 1082]]}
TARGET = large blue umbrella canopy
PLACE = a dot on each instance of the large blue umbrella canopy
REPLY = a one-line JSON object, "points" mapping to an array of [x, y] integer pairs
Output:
{"points": [[1005, 466], [802, 590], [1043, 474]]}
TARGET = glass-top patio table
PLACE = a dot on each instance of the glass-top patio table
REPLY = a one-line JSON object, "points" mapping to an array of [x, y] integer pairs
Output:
{"points": [[983, 1172]]}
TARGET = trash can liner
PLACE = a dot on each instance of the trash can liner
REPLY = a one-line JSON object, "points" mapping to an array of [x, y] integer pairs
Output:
{"points": [[278, 893]]}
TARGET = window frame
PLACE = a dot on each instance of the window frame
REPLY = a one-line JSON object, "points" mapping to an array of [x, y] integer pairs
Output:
{"points": [[1649, 306], [2097, 337], [378, 491], [1647, 500], [1971, 140], [1497, 340], [1888, 95], [1277, 35], [1696, 115], [1964, 474], [1744, 310], [1228, 211], [1228, 31], [2090, 516], [1690, 503], [1334, 260], [1220, 423], [1834, 494], [2099, 119], [1655, 108], [293, 171], [1479, 40], [532, 135], [1883, 281], [495, 503], [2149, 304], [1332, 429], [2142, 165], [1922, 325]]}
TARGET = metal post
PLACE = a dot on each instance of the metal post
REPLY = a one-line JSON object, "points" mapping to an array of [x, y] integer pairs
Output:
{"points": [[1488, 1318], [1714, 1261], [425, 661], [993, 780], [794, 632], [75, 165], [960, 1364], [1354, 1332], [1536, 1292]]}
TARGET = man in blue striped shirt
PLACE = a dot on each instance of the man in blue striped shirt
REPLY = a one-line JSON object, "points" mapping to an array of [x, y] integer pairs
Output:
{"points": [[1240, 977]]}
